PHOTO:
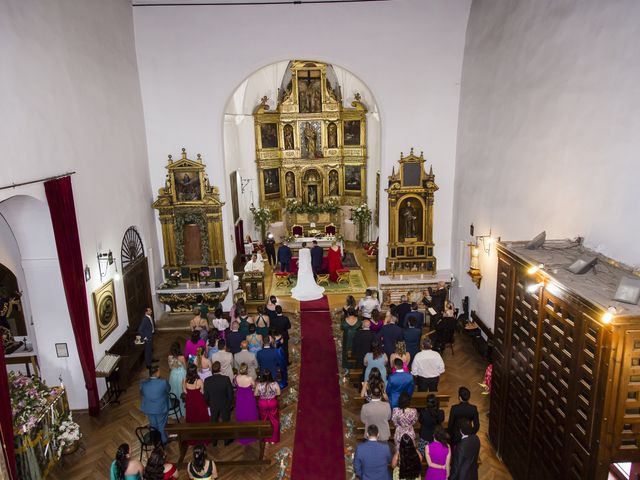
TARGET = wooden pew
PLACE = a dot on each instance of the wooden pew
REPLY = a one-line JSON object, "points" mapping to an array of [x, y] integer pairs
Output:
{"points": [[418, 400], [221, 431]]}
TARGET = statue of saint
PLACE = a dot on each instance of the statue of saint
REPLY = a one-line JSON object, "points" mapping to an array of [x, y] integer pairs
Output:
{"points": [[290, 184], [409, 215], [313, 196], [310, 140], [288, 137], [332, 134], [333, 183]]}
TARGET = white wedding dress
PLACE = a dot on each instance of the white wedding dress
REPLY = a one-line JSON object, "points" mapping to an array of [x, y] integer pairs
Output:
{"points": [[306, 288]]}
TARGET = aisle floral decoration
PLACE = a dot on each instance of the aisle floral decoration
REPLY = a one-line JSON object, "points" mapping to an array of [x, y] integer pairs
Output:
{"points": [[28, 397], [68, 434], [362, 217], [262, 219]]}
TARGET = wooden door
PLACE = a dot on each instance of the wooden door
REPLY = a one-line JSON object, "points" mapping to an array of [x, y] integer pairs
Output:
{"points": [[137, 291]]}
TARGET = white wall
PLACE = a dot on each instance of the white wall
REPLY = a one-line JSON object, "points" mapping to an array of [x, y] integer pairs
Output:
{"points": [[71, 102], [548, 131], [239, 133], [408, 52]]}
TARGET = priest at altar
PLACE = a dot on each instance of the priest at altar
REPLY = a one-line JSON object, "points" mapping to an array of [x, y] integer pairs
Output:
{"points": [[255, 264]]}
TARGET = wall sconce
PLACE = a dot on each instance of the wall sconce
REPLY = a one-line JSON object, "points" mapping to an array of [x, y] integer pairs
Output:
{"points": [[535, 268], [474, 264], [607, 317], [87, 273], [534, 287], [108, 259], [487, 240]]}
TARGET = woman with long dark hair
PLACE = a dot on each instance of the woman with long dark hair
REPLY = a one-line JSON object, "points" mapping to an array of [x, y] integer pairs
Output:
{"points": [[438, 455], [430, 418], [200, 467], [196, 406], [376, 358], [158, 468], [125, 468], [404, 418], [178, 367], [407, 461], [350, 325], [267, 392], [374, 381]]}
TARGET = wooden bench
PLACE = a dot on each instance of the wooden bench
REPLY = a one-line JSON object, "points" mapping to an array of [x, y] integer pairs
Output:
{"points": [[222, 431], [418, 400]]}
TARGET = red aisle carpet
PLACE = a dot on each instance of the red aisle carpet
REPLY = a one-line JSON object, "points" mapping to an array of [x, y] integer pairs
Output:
{"points": [[318, 448]]}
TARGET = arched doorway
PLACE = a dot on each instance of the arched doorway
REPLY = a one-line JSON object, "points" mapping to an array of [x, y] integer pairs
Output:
{"points": [[135, 276], [10, 304]]}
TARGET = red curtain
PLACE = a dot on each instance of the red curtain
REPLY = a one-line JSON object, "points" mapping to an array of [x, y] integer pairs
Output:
{"points": [[6, 419], [65, 228]]}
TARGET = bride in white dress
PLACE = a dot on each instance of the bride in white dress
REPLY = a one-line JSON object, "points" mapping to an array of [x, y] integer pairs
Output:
{"points": [[306, 288]]}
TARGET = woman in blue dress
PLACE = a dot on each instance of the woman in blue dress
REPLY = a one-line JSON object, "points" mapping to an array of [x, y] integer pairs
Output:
{"points": [[178, 367], [125, 468]]}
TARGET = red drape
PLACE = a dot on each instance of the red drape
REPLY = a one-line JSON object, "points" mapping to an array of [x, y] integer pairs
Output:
{"points": [[65, 228], [6, 419]]}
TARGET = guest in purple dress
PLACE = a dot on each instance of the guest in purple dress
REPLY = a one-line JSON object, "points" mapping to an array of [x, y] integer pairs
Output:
{"points": [[376, 321], [438, 454], [246, 408]]}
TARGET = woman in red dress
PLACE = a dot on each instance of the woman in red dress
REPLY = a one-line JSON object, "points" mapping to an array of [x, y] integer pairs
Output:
{"points": [[335, 260], [196, 406]]}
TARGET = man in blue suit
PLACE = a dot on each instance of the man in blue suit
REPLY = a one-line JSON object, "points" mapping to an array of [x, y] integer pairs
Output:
{"points": [[372, 458], [284, 257], [412, 338], [398, 382], [417, 314], [316, 258], [155, 401], [146, 330], [269, 358]]}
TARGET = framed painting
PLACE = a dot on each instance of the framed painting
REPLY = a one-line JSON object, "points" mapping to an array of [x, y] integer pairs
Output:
{"points": [[104, 303], [271, 181], [269, 135], [187, 183], [352, 132], [353, 178]]}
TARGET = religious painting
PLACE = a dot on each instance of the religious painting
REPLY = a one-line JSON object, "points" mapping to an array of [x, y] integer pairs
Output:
{"points": [[333, 183], [290, 184], [269, 135], [410, 220], [311, 139], [271, 181], [187, 184], [352, 178], [332, 135], [312, 194], [352, 132], [411, 174], [309, 91], [288, 137], [104, 303]]}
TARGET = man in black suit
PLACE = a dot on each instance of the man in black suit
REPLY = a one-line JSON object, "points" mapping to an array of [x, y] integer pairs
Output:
{"points": [[412, 336], [362, 343], [316, 258], [284, 257], [417, 314], [281, 324], [465, 455], [402, 310], [146, 329], [463, 410], [270, 249], [235, 338], [445, 329], [218, 393], [389, 334]]}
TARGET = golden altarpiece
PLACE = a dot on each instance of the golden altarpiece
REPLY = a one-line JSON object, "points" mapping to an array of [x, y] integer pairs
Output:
{"points": [[191, 218], [311, 149], [411, 193]]}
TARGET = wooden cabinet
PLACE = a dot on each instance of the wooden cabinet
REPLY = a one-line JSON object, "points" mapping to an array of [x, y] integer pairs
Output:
{"points": [[565, 398]]}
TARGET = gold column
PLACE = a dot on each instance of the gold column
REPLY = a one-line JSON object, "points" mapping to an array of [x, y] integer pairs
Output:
{"points": [[169, 239]]}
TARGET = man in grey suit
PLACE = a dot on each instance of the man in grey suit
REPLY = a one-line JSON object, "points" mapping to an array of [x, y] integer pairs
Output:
{"points": [[245, 356], [372, 458], [155, 401], [377, 412]]}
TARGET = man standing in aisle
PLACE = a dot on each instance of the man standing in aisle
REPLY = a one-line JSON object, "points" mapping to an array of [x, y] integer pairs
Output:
{"points": [[316, 258], [146, 329], [270, 249], [155, 401], [427, 367]]}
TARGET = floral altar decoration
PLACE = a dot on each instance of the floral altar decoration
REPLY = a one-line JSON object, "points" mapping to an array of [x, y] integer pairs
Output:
{"points": [[362, 217], [42, 425]]}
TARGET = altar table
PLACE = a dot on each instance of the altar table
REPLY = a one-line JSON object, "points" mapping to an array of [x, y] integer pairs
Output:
{"points": [[182, 297], [324, 242]]}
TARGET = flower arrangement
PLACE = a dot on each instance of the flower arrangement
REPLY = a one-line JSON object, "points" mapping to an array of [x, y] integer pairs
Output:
{"points": [[287, 238], [205, 274], [362, 217], [262, 218], [296, 206], [29, 395], [68, 434]]}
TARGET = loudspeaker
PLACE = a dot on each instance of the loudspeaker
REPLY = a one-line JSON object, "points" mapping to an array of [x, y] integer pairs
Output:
{"points": [[628, 290], [537, 241], [582, 265]]}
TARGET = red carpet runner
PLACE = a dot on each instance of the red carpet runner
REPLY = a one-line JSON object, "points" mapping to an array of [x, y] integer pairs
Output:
{"points": [[318, 452]]}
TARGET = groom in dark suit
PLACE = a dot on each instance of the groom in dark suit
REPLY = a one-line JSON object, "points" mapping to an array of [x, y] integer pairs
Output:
{"points": [[284, 257], [316, 258], [146, 329]]}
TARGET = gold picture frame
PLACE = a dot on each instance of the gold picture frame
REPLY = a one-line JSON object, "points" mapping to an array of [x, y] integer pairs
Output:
{"points": [[104, 304]]}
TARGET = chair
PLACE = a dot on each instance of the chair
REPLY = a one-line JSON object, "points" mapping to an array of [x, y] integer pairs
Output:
{"points": [[176, 408], [149, 438], [344, 276], [297, 231], [282, 279], [330, 229], [322, 278]]}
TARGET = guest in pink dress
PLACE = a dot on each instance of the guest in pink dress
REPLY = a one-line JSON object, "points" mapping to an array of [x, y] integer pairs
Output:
{"points": [[404, 418], [438, 455], [192, 345], [267, 392]]}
